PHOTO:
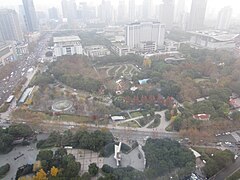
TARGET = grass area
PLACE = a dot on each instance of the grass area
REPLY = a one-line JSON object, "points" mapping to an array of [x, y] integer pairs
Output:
{"points": [[112, 71], [169, 128], [129, 67], [144, 121], [4, 107], [234, 176], [205, 152], [74, 118], [132, 124], [135, 114], [29, 115], [32, 115], [120, 71], [155, 123]]}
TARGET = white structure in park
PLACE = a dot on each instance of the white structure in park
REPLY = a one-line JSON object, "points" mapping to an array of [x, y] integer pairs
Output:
{"points": [[117, 153], [67, 45], [213, 39], [140, 34]]}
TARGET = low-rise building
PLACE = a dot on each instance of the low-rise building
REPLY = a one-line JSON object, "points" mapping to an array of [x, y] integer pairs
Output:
{"points": [[122, 49], [96, 51], [148, 46], [67, 45], [22, 49], [213, 39], [6, 53]]}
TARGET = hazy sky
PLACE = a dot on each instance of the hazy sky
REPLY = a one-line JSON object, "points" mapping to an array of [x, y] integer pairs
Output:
{"points": [[213, 5]]}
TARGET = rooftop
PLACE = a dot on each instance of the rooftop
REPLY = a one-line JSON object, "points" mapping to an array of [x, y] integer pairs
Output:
{"points": [[66, 39], [216, 34]]}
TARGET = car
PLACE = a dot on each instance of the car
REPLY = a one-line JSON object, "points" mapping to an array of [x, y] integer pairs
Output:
{"points": [[227, 133]]}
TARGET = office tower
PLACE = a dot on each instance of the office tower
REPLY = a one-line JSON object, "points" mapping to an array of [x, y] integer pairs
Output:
{"points": [[137, 33], [30, 16], [197, 14], [121, 11], [132, 10], [10, 27], [147, 9], [105, 11], [64, 8], [224, 18], [180, 10], [86, 12], [167, 13], [69, 10], [53, 13]]}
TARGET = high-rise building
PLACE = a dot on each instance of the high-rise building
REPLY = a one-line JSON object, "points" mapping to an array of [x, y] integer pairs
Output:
{"points": [[105, 12], [138, 34], [179, 11], [30, 16], [121, 11], [197, 14], [132, 10], [167, 11], [69, 9], [224, 18], [64, 8], [147, 10], [53, 13], [10, 27]]}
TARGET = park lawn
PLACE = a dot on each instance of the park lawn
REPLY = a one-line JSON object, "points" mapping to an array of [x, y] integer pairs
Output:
{"points": [[112, 71], [120, 71], [132, 124], [75, 118], [234, 176], [26, 114], [135, 114], [4, 107], [154, 124], [144, 121], [129, 67]]}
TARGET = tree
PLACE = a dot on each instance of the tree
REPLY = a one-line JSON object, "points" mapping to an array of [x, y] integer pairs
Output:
{"points": [[45, 155], [49, 54], [235, 116], [41, 175], [93, 169], [4, 169], [20, 130], [54, 171]]}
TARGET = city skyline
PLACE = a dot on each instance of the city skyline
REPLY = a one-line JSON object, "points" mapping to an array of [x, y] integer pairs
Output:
{"points": [[214, 6]]}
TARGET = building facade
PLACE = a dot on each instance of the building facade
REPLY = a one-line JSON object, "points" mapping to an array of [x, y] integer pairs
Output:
{"points": [[10, 27], [197, 15], [53, 13], [121, 49], [30, 16], [213, 40], [96, 51], [137, 33], [167, 15], [67, 45], [224, 18], [6, 53]]}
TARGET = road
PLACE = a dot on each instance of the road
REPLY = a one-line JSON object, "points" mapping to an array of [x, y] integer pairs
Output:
{"points": [[21, 70]]}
